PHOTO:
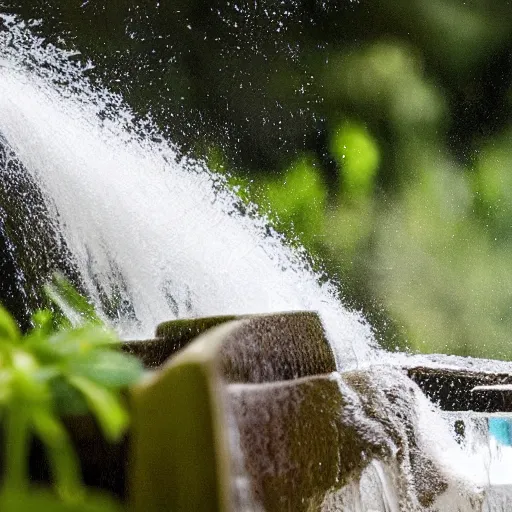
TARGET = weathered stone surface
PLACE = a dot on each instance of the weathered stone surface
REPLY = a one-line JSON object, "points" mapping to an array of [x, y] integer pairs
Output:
{"points": [[188, 328], [30, 245], [172, 336], [153, 353], [390, 399], [301, 431], [297, 440], [277, 347], [452, 389], [280, 346], [185, 414]]}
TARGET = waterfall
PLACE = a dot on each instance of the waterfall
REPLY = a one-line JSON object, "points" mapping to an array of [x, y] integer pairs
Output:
{"points": [[159, 237]]}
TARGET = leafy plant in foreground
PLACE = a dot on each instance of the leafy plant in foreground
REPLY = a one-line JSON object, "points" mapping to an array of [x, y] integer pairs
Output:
{"points": [[49, 373]]}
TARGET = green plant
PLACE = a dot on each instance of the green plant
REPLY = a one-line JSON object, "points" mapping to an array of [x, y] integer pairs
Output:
{"points": [[297, 201], [55, 370]]}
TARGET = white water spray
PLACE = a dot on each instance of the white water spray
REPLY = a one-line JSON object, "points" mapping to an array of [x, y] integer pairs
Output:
{"points": [[128, 209], [169, 234]]}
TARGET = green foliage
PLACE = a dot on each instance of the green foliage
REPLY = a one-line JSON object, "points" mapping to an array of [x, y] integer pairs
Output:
{"points": [[47, 374], [75, 308], [385, 81], [357, 154], [298, 199], [41, 501], [493, 185]]}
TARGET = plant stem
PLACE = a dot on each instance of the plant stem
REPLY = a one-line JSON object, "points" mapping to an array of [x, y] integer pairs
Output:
{"points": [[17, 446]]}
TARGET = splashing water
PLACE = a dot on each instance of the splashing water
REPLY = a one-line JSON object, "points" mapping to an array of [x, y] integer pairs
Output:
{"points": [[128, 209], [167, 237]]}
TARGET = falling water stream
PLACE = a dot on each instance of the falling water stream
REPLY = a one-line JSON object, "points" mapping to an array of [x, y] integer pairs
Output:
{"points": [[166, 237]]}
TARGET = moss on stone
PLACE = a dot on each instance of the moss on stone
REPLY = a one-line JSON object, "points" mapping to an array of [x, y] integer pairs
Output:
{"points": [[188, 328], [277, 346], [172, 336]]}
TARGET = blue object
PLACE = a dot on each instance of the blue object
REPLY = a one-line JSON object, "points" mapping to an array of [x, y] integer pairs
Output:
{"points": [[501, 430]]}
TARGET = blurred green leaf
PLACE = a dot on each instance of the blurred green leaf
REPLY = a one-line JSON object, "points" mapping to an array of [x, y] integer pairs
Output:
{"points": [[77, 309], [42, 320], [105, 405], [110, 369], [44, 501], [67, 399], [357, 154], [64, 462], [82, 340], [49, 374], [299, 199], [9, 330]]}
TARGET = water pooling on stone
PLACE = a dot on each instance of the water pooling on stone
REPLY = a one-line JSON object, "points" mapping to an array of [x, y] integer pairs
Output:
{"points": [[164, 237]]}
